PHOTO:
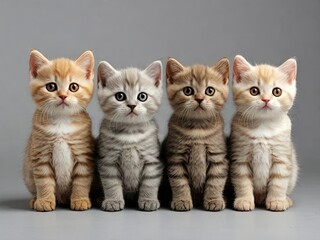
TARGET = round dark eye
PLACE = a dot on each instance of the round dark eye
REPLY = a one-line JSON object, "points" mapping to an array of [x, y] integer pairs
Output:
{"points": [[120, 96], [188, 91], [51, 87], [142, 97], [277, 92], [73, 87], [210, 91], [254, 91]]}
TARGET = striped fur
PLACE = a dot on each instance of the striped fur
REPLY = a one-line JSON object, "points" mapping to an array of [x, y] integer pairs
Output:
{"points": [[58, 165], [264, 165], [128, 145], [195, 145]]}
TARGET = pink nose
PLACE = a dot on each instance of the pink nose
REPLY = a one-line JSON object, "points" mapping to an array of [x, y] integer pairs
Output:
{"points": [[265, 100], [63, 97]]}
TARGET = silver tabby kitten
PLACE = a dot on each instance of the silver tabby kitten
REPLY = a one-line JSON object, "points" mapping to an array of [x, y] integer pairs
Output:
{"points": [[128, 144]]}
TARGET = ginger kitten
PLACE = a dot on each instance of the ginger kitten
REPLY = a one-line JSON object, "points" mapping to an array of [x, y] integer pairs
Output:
{"points": [[58, 164], [195, 147], [128, 145], [264, 166]]}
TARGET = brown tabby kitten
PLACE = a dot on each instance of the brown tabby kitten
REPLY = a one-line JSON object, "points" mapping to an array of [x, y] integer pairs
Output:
{"points": [[58, 165], [195, 145]]}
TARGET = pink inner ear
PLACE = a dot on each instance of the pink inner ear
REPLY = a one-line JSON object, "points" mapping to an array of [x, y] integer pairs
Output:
{"points": [[290, 69], [240, 66]]}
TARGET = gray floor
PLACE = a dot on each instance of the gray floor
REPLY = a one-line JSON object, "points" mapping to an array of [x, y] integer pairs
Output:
{"points": [[302, 221]]}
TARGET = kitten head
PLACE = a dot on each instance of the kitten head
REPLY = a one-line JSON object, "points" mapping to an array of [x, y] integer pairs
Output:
{"points": [[197, 91], [130, 95], [263, 91], [61, 86]]}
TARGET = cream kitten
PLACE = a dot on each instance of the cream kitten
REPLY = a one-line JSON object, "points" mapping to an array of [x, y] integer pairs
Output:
{"points": [[264, 166]]}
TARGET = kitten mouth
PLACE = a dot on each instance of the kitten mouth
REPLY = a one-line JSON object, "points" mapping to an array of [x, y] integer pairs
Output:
{"points": [[266, 107], [199, 107], [63, 104], [132, 113]]}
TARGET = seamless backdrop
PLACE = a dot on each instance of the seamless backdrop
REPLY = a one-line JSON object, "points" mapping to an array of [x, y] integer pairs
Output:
{"points": [[135, 33]]}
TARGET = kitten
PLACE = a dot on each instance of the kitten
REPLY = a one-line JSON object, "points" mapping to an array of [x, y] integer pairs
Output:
{"points": [[195, 145], [264, 165], [58, 164], [128, 143]]}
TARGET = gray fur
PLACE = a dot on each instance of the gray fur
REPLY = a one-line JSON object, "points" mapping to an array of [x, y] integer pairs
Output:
{"points": [[128, 145]]}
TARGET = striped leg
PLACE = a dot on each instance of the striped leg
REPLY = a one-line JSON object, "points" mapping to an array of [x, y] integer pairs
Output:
{"points": [[149, 187], [45, 185], [178, 178], [277, 199], [241, 177], [81, 184], [217, 174], [112, 186]]}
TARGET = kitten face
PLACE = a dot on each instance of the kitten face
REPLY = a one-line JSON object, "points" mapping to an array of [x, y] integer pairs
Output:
{"points": [[197, 91], [130, 95], [263, 91], [61, 86]]}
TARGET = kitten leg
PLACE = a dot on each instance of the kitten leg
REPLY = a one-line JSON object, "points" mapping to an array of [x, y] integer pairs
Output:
{"points": [[178, 179], [148, 192], [217, 174], [241, 177], [81, 184], [277, 199], [112, 187], [44, 180]]}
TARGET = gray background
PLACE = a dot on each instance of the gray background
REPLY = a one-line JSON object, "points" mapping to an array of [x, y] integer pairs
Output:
{"points": [[135, 33]]}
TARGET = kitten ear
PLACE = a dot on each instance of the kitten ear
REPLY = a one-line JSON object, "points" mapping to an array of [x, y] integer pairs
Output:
{"points": [[289, 67], [240, 65], [222, 66], [173, 67], [105, 71], [86, 62], [154, 70], [36, 61]]}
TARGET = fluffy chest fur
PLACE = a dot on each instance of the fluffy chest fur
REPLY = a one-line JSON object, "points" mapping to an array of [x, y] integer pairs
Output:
{"points": [[62, 163], [131, 167]]}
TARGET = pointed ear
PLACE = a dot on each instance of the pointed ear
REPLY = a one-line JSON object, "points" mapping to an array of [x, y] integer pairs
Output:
{"points": [[173, 67], [222, 66], [105, 71], [36, 61], [154, 70], [289, 67], [240, 65], [86, 62]]}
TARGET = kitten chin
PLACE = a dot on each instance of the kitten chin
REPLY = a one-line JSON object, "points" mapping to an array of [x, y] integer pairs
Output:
{"points": [[264, 166]]}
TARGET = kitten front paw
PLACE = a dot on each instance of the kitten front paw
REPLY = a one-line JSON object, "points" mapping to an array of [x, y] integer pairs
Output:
{"points": [[149, 205], [181, 205], [112, 205], [214, 204], [278, 205], [43, 205], [243, 204], [80, 204]]}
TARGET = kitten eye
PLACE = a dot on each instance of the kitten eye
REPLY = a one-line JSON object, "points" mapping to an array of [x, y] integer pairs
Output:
{"points": [[277, 92], [210, 91], [188, 91], [73, 87], [120, 96], [51, 87], [254, 91], [142, 97]]}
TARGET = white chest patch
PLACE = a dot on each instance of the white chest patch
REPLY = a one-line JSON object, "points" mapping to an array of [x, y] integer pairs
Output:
{"points": [[63, 165], [261, 164], [61, 127]]}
